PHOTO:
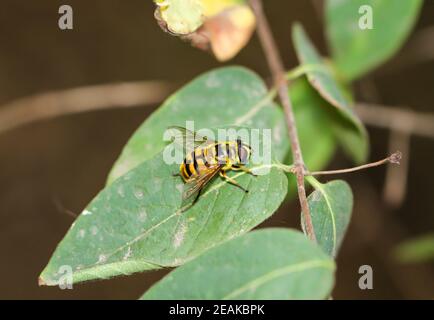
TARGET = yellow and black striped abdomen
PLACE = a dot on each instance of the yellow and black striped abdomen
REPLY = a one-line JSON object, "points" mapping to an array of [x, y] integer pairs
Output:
{"points": [[196, 164], [206, 158]]}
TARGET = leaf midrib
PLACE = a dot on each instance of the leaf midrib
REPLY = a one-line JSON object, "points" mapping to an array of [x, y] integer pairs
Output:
{"points": [[262, 103], [146, 232], [320, 188], [279, 273]]}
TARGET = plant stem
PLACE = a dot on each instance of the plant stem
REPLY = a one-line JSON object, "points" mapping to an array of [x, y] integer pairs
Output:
{"points": [[81, 99], [401, 119], [393, 158], [301, 70], [278, 72], [313, 182]]}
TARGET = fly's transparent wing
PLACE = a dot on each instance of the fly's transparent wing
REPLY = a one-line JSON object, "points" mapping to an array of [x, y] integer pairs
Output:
{"points": [[187, 139], [192, 188]]}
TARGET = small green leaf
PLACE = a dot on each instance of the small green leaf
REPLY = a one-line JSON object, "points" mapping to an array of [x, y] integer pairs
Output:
{"points": [[357, 51], [420, 249], [226, 96], [354, 143], [136, 223], [264, 264], [330, 207], [322, 78], [348, 128]]}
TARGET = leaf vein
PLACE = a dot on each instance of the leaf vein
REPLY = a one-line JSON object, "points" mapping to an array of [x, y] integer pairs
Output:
{"points": [[302, 266]]}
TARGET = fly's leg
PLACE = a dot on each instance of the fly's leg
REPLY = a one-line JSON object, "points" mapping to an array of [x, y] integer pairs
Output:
{"points": [[244, 169], [231, 181]]}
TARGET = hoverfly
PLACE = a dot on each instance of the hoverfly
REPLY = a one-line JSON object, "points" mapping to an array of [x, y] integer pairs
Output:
{"points": [[208, 159]]}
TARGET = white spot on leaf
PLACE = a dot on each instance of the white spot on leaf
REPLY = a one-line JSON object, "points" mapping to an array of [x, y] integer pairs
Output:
{"points": [[179, 236], [138, 194], [86, 213], [102, 258], [128, 253]]}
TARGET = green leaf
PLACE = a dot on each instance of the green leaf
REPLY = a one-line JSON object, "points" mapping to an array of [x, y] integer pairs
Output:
{"points": [[357, 51], [353, 142], [420, 249], [225, 96], [348, 128], [264, 264], [330, 207], [320, 78], [137, 224]]}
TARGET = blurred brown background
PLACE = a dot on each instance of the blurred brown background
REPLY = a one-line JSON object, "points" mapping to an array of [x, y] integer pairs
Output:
{"points": [[50, 167]]}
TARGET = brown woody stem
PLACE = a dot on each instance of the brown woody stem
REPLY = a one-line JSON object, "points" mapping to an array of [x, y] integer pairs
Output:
{"points": [[278, 71]]}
